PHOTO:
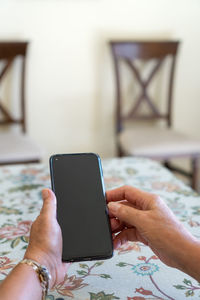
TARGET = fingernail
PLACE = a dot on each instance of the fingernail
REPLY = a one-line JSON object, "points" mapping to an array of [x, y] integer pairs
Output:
{"points": [[45, 194], [113, 206]]}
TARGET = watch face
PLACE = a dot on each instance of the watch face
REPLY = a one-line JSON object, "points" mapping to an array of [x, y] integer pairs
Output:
{"points": [[44, 273]]}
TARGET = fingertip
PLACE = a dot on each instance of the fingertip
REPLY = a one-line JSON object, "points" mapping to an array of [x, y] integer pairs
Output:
{"points": [[49, 202], [51, 193], [114, 207], [111, 195], [47, 193]]}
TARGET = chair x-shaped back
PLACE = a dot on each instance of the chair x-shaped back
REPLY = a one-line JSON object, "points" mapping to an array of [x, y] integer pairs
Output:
{"points": [[129, 51], [9, 51]]}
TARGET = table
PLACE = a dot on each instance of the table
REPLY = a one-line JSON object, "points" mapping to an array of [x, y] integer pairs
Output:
{"points": [[134, 272]]}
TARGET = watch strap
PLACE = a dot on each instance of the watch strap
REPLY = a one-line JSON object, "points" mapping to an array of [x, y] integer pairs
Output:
{"points": [[43, 274]]}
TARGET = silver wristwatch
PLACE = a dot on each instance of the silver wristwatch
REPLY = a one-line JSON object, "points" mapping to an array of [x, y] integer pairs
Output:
{"points": [[43, 274]]}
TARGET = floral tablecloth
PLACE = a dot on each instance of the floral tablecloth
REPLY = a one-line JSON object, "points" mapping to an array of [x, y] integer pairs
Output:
{"points": [[134, 272]]}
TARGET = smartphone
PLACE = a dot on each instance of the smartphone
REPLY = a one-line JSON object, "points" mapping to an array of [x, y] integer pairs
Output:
{"points": [[77, 181]]}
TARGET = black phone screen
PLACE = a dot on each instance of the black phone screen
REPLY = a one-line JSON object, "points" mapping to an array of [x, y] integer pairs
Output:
{"points": [[81, 206]]}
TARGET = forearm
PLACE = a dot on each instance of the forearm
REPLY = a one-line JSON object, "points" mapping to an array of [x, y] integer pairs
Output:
{"points": [[21, 284], [45, 248], [190, 262]]}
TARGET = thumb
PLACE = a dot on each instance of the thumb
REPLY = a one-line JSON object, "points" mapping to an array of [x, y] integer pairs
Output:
{"points": [[125, 213], [49, 203]]}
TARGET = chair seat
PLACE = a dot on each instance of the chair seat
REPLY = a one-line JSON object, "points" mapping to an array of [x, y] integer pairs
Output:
{"points": [[18, 147], [157, 143]]}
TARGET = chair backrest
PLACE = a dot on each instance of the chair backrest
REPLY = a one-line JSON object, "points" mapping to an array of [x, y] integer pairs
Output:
{"points": [[129, 52], [9, 51]]}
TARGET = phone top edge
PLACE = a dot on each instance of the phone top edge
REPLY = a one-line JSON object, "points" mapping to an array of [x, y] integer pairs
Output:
{"points": [[53, 156], [77, 153]]}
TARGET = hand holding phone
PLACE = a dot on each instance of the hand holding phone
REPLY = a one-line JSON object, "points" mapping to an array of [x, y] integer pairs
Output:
{"points": [[77, 182]]}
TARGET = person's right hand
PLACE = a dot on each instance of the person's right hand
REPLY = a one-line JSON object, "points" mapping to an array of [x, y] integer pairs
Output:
{"points": [[136, 215]]}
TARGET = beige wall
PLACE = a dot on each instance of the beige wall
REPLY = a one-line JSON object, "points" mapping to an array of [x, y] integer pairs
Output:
{"points": [[70, 90]]}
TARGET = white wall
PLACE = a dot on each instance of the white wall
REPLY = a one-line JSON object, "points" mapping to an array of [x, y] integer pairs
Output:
{"points": [[70, 89]]}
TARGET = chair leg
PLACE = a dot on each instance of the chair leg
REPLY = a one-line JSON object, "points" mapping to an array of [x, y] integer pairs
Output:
{"points": [[166, 164], [119, 151], [194, 179]]}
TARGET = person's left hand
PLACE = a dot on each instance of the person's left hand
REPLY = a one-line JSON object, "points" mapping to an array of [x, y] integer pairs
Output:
{"points": [[45, 245]]}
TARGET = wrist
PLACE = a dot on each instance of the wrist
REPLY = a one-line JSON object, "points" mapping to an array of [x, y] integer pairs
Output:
{"points": [[43, 259], [191, 259]]}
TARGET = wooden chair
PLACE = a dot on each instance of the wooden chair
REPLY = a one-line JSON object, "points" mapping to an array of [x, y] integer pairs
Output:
{"points": [[153, 141], [15, 147]]}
